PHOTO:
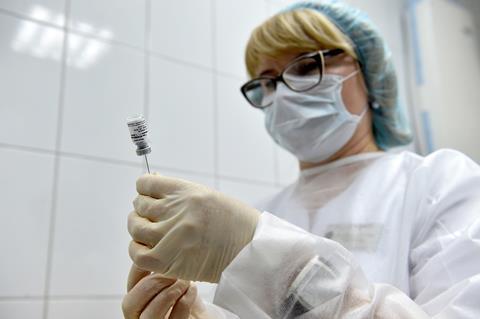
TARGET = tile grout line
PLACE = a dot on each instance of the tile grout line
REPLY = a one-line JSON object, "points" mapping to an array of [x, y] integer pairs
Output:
{"points": [[66, 28], [171, 59], [216, 146], [22, 298], [92, 297], [56, 172], [119, 43], [79, 156], [21, 16], [23, 148], [88, 297], [146, 71], [99, 159]]}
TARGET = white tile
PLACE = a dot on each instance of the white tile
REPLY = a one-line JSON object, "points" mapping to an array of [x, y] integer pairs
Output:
{"points": [[98, 100], [183, 30], [81, 309], [245, 148], [275, 6], [122, 20], [30, 82], [28, 309], [287, 166], [90, 253], [25, 184], [386, 15], [181, 117], [249, 193], [52, 11], [235, 20]]}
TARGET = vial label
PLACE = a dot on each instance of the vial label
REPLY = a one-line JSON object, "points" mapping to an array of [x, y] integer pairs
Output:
{"points": [[138, 131]]}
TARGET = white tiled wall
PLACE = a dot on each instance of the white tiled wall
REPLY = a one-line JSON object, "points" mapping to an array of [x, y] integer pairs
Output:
{"points": [[90, 228], [21, 309], [245, 151], [71, 72], [26, 187], [29, 85], [234, 20], [41, 10], [184, 37], [181, 116], [81, 309], [98, 99], [120, 20]]}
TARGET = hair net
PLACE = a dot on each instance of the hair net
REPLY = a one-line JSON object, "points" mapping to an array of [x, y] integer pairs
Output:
{"points": [[390, 125]]}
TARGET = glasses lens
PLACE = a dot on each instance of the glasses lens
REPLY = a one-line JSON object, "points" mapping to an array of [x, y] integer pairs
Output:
{"points": [[303, 74], [260, 92]]}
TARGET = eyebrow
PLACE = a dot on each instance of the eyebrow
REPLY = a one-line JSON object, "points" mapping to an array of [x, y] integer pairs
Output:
{"points": [[272, 72], [267, 72]]}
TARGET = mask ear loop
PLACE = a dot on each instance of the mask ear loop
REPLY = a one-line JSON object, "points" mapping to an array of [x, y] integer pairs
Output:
{"points": [[359, 68], [374, 104], [351, 75], [361, 115], [365, 109]]}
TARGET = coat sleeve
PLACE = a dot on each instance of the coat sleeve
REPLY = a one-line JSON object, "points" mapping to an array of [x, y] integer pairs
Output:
{"points": [[286, 272], [445, 253]]}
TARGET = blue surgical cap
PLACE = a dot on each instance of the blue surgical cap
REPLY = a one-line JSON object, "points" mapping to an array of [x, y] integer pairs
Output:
{"points": [[390, 124]]}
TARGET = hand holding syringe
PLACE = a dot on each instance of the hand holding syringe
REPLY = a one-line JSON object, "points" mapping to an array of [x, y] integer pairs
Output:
{"points": [[177, 227], [138, 132]]}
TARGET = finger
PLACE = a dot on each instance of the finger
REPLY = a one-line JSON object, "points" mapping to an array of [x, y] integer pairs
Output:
{"points": [[166, 299], [183, 307], [151, 208], [144, 204], [140, 255], [157, 186], [135, 275], [142, 293], [142, 230]]}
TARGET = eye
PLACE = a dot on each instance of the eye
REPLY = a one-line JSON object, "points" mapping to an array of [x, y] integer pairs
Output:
{"points": [[304, 67]]}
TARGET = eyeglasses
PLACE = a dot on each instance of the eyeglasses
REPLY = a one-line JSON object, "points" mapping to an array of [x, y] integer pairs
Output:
{"points": [[300, 75]]}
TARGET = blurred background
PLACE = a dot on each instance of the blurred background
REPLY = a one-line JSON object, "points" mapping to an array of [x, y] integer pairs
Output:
{"points": [[72, 71]]}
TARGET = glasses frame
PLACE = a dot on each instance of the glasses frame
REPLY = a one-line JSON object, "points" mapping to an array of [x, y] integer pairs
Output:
{"points": [[318, 56]]}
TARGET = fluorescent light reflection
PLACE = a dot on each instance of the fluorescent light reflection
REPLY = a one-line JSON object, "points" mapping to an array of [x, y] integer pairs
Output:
{"points": [[46, 43]]}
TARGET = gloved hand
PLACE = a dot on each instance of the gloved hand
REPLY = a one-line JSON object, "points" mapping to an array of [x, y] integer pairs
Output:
{"points": [[185, 230], [152, 296]]}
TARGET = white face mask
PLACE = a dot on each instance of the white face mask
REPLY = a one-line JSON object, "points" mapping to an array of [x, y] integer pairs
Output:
{"points": [[315, 124]]}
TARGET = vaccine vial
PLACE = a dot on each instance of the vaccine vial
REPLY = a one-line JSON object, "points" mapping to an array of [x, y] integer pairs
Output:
{"points": [[137, 125]]}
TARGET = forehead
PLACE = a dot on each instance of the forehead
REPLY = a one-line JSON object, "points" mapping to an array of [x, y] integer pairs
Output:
{"points": [[274, 65]]}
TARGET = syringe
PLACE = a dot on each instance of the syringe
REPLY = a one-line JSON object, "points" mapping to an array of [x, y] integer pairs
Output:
{"points": [[138, 128]]}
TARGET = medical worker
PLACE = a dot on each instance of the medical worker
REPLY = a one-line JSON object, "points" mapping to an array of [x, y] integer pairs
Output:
{"points": [[362, 233]]}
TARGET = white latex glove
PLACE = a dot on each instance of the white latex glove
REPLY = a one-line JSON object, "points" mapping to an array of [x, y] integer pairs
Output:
{"points": [[185, 230], [152, 296]]}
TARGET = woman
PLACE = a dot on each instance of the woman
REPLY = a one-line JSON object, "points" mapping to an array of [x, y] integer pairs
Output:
{"points": [[404, 230]]}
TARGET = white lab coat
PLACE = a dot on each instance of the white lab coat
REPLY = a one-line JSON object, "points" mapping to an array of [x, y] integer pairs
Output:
{"points": [[410, 233]]}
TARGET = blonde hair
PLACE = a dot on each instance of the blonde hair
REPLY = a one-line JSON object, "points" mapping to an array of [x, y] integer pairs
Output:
{"points": [[296, 31]]}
